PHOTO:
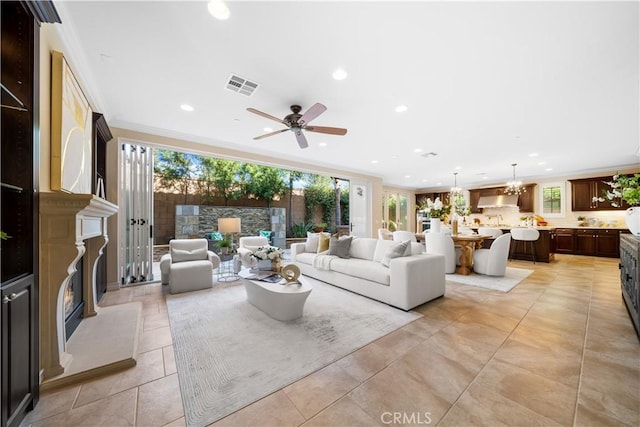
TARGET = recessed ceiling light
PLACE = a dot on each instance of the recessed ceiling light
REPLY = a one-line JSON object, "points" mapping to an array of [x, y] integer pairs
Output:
{"points": [[438, 183], [485, 177], [417, 150], [339, 74], [407, 176], [267, 129], [218, 9], [186, 107], [533, 155], [323, 144], [395, 156], [401, 108], [374, 161], [542, 163], [548, 169], [458, 168], [425, 180]]}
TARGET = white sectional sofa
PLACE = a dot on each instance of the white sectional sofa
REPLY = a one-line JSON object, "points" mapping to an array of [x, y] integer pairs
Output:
{"points": [[407, 282]]}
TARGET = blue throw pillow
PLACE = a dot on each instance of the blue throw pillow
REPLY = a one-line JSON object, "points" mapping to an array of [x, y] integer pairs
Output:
{"points": [[215, 235]]}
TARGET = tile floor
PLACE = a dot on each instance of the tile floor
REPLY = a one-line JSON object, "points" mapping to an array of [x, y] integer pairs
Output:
{"points": [[559, 349]]}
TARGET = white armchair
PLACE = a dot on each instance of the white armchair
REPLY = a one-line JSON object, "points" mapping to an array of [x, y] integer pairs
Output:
{"points": [[493, 261], [188, 266], [247, 246], [440, 243]]}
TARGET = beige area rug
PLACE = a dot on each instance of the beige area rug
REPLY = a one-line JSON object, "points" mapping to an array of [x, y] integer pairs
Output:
{"points": [[230, 354], [512, 277]]}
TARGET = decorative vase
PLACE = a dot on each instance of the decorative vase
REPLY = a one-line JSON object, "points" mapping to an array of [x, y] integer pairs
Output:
{"points": [[633, 220], [436, 223]]}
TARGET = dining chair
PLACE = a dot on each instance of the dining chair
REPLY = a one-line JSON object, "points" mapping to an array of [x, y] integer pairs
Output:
{"points": [[493, 261], [490, 231], [442, 244]]}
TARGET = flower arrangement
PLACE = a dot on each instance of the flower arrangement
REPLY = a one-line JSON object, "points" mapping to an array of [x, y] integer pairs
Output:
{"points": [[623, 187], [270, 253], [436, 209]]}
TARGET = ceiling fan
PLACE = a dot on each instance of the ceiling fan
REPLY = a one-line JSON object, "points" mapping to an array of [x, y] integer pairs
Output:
{"points": [[297, 122]]}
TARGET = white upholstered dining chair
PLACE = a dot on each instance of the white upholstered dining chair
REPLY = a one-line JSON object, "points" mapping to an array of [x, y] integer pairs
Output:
{"points": [[493, 261]]}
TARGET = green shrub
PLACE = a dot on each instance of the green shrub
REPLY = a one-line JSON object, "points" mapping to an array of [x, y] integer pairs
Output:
{"points": [[301, 229]]}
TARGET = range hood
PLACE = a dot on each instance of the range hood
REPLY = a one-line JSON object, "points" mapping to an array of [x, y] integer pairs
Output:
{"points": [[501, 201]]}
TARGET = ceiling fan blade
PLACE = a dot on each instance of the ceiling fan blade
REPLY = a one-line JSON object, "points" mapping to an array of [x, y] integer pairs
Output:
{"points": [[302, 140], [314, 111], [326, 129], [266, 135], [268, 116]]}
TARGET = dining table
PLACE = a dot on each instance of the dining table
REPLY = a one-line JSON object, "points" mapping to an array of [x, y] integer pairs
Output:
{"points": [[467, 243]]}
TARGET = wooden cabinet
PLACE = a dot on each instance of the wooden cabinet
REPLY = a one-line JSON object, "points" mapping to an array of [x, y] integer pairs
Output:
{"points": [[564, 240], [474, 198], [588, 241], [583, 192], [542, 248], [630, 277], [19, 132], [526, 199]]}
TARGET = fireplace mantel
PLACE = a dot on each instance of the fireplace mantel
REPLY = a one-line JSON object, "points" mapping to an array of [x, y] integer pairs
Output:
{"points": [[71, 225]]}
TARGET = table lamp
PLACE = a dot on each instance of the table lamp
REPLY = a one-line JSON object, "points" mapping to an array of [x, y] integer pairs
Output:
{"points": [[229, 226]]}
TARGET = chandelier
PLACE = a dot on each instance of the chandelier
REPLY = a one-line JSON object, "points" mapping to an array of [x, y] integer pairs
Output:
{"points": [[455, 190], [514, 187]]}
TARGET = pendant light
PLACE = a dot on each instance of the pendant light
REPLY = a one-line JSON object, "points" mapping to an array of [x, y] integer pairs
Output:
{"points": [[455, 190], [514, 188]]}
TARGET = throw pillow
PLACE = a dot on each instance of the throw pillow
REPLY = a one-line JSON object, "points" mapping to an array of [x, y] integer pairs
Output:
{"points": [[323, 242], [182, 255], [215, 235], [396, 251], [340, 247], [311, 245]]}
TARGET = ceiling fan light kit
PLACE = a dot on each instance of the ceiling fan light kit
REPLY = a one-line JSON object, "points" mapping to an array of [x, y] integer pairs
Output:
{"points": [[297, 122]]}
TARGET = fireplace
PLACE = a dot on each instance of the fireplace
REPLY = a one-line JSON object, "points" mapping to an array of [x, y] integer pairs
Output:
{"points": [[73, 237], [74, 300]]}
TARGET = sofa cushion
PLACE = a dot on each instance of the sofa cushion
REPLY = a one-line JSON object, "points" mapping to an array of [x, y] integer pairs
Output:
{"points": [[305, 258], [363, 269], [363, 248], [340, 247], [183, 255], [396, 251], [311, 245], [323, 242], [382, 247]]}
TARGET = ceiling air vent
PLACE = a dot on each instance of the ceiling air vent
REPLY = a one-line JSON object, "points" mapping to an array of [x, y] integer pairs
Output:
{"points": [[429, 154], [241, 85]]}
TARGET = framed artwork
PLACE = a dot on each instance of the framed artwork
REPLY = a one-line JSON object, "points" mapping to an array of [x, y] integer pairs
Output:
{"points": [[71, 136]]}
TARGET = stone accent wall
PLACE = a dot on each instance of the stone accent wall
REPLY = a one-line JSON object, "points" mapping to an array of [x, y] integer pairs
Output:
{"points": [[195, 221], [164, 205]]}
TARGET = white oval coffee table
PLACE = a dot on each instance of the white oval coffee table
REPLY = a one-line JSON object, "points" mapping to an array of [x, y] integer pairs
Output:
{"points": [[280, 302]]}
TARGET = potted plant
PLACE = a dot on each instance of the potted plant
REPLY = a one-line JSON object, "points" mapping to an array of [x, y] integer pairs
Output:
{"points": [[225, 245], [581, 220], [319, 227], [627, 188]]}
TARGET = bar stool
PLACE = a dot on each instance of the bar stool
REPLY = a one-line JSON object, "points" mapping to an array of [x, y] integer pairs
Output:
{"points": [[526, 235]]}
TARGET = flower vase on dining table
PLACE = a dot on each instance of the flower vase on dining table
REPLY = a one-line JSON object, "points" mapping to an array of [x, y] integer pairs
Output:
{"points": [[436, 223]]}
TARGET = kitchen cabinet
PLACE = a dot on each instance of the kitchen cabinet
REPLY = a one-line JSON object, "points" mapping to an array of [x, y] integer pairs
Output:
{"points": [[474, 198], [564, 240], [542, 248], [584, 190], [525, 201], [591, 241], [602, 242]]}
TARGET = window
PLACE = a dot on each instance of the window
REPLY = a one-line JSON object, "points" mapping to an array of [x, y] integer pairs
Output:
{"points": [[552, 199]]}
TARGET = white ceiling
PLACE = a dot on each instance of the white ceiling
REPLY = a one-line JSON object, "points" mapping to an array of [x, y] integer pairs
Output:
{"points": [[486, 83]]}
